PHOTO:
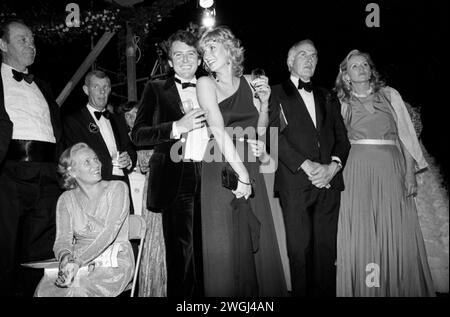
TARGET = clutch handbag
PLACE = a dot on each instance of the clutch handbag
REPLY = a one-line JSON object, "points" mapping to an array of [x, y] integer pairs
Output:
{"points": [[229, 178]]}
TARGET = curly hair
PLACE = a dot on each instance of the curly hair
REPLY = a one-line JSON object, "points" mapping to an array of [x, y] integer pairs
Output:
{"points": [[343, 87], [66, 163], [223, 35]]}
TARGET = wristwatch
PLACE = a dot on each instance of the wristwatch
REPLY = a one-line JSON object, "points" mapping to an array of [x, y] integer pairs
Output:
{"points": [[337, 162]]}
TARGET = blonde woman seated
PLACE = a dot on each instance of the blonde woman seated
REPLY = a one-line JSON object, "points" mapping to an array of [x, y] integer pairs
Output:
{"points": [[95, 256]]}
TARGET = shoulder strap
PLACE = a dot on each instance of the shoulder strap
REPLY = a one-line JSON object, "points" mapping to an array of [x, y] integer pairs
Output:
{"points": [[256, 101]]}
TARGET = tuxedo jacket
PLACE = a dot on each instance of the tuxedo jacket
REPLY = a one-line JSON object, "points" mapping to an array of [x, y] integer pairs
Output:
{"points": [[80, 126], [159, 107], [6, 125], [300, 139]]}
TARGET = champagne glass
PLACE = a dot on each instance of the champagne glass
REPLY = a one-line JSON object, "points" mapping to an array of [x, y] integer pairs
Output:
{"points": [[255, 74], [188, 105]]}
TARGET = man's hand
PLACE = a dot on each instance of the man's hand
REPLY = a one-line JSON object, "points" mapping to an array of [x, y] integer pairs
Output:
{"points": [[324, 174], [124, 160], [192, 120], [310, 167]]}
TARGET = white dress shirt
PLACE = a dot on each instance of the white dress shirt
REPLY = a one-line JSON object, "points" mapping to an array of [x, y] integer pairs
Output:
{"points": [[107, 133], [27, 108], [308, 98], [196, 140]]}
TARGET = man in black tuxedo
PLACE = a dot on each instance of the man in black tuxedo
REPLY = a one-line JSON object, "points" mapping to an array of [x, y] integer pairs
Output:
{"points": [[105, 132], [169, 109], [30, 133], [312, 149]]}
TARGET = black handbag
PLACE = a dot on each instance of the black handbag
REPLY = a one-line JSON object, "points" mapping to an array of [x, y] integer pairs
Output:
{"points": [[229, 178]]}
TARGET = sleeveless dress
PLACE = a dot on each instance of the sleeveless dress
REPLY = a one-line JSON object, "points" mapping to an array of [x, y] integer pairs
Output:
{"points": [[90, 231], [232, 266], [380, 245]]}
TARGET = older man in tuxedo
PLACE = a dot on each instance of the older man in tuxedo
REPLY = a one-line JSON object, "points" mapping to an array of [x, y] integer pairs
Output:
{"points": [[312, 150], [105, 132], [30, 131], [167, 111]]}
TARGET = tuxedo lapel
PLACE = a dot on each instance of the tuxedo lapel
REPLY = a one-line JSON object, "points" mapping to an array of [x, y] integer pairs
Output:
{"points": [[116, 132], [173, 97], [93, 131], [296, 103], [319, 102], [53, 109]]}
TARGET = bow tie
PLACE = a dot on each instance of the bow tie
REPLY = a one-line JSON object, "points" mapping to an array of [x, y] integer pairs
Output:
{"points": [[19, 76], [184, 85], [307, 86], [105, 113]]}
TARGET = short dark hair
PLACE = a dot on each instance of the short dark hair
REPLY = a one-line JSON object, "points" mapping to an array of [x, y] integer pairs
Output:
{"points": [[4, 27], [97, 73], [183, 36]]}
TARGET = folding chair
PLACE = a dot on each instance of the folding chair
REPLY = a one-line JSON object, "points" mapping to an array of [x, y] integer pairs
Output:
{"points": [[137, 231]]}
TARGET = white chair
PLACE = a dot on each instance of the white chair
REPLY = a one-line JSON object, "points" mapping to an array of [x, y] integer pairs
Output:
{"points": [[137, 231]]}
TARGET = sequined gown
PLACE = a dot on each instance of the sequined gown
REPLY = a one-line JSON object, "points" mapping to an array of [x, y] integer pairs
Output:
{"points": [[88, 234]]}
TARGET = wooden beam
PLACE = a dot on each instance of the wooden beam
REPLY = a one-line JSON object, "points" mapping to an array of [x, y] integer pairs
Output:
{"points": [[90, 59]]}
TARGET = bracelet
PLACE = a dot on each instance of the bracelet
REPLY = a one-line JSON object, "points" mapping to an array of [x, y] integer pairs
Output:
{"points": [[239, 180]]}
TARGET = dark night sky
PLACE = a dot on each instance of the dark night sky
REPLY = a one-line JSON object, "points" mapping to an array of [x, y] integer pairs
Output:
{"points": [[407, 48]]}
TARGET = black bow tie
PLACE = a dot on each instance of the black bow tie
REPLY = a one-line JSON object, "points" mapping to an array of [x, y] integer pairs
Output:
{"points": [[19, 76], [307, 86], [184, 85], [105, 113]]}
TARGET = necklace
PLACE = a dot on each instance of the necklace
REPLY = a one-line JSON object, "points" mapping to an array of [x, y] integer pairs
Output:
{"points": [[368, 93]]}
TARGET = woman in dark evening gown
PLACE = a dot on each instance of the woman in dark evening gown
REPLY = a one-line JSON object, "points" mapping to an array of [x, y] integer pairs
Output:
{"points": [[240, 250]]}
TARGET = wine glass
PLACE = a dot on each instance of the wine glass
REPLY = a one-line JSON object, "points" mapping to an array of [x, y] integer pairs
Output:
{"points": [[256, 73], [188, 105]]}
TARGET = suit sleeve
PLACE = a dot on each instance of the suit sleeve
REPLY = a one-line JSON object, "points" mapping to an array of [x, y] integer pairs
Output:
{"points": [[144, 132], [287, 154], [6, 127], [341, 145], [127, 145], [71, 132]]}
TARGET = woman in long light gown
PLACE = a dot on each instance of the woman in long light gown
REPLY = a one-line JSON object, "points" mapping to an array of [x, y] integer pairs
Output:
{"points": [[380, 246], [92, 247]]}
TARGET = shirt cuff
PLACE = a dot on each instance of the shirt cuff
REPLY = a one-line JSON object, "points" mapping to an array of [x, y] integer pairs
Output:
{"points": [[337, 160], [175, 133]]}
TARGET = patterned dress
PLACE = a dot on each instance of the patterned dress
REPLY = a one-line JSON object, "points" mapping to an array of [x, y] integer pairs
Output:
{"points": [[93, 236]]}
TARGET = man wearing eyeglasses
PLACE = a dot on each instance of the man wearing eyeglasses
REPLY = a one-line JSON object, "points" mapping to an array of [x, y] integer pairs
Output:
{"points": [[168, 113]]}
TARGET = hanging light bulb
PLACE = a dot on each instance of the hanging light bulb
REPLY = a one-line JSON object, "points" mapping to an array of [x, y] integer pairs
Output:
{"points": [[206, 3], [209, 18]]}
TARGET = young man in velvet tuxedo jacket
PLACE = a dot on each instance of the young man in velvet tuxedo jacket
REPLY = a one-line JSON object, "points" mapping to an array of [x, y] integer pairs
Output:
{"points": [[167, 111], [30, 134], [105, 132], [312, 149]]}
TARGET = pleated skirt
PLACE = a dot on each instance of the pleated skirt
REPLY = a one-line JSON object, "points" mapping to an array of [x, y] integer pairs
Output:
{"points": [[380, 248]]}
